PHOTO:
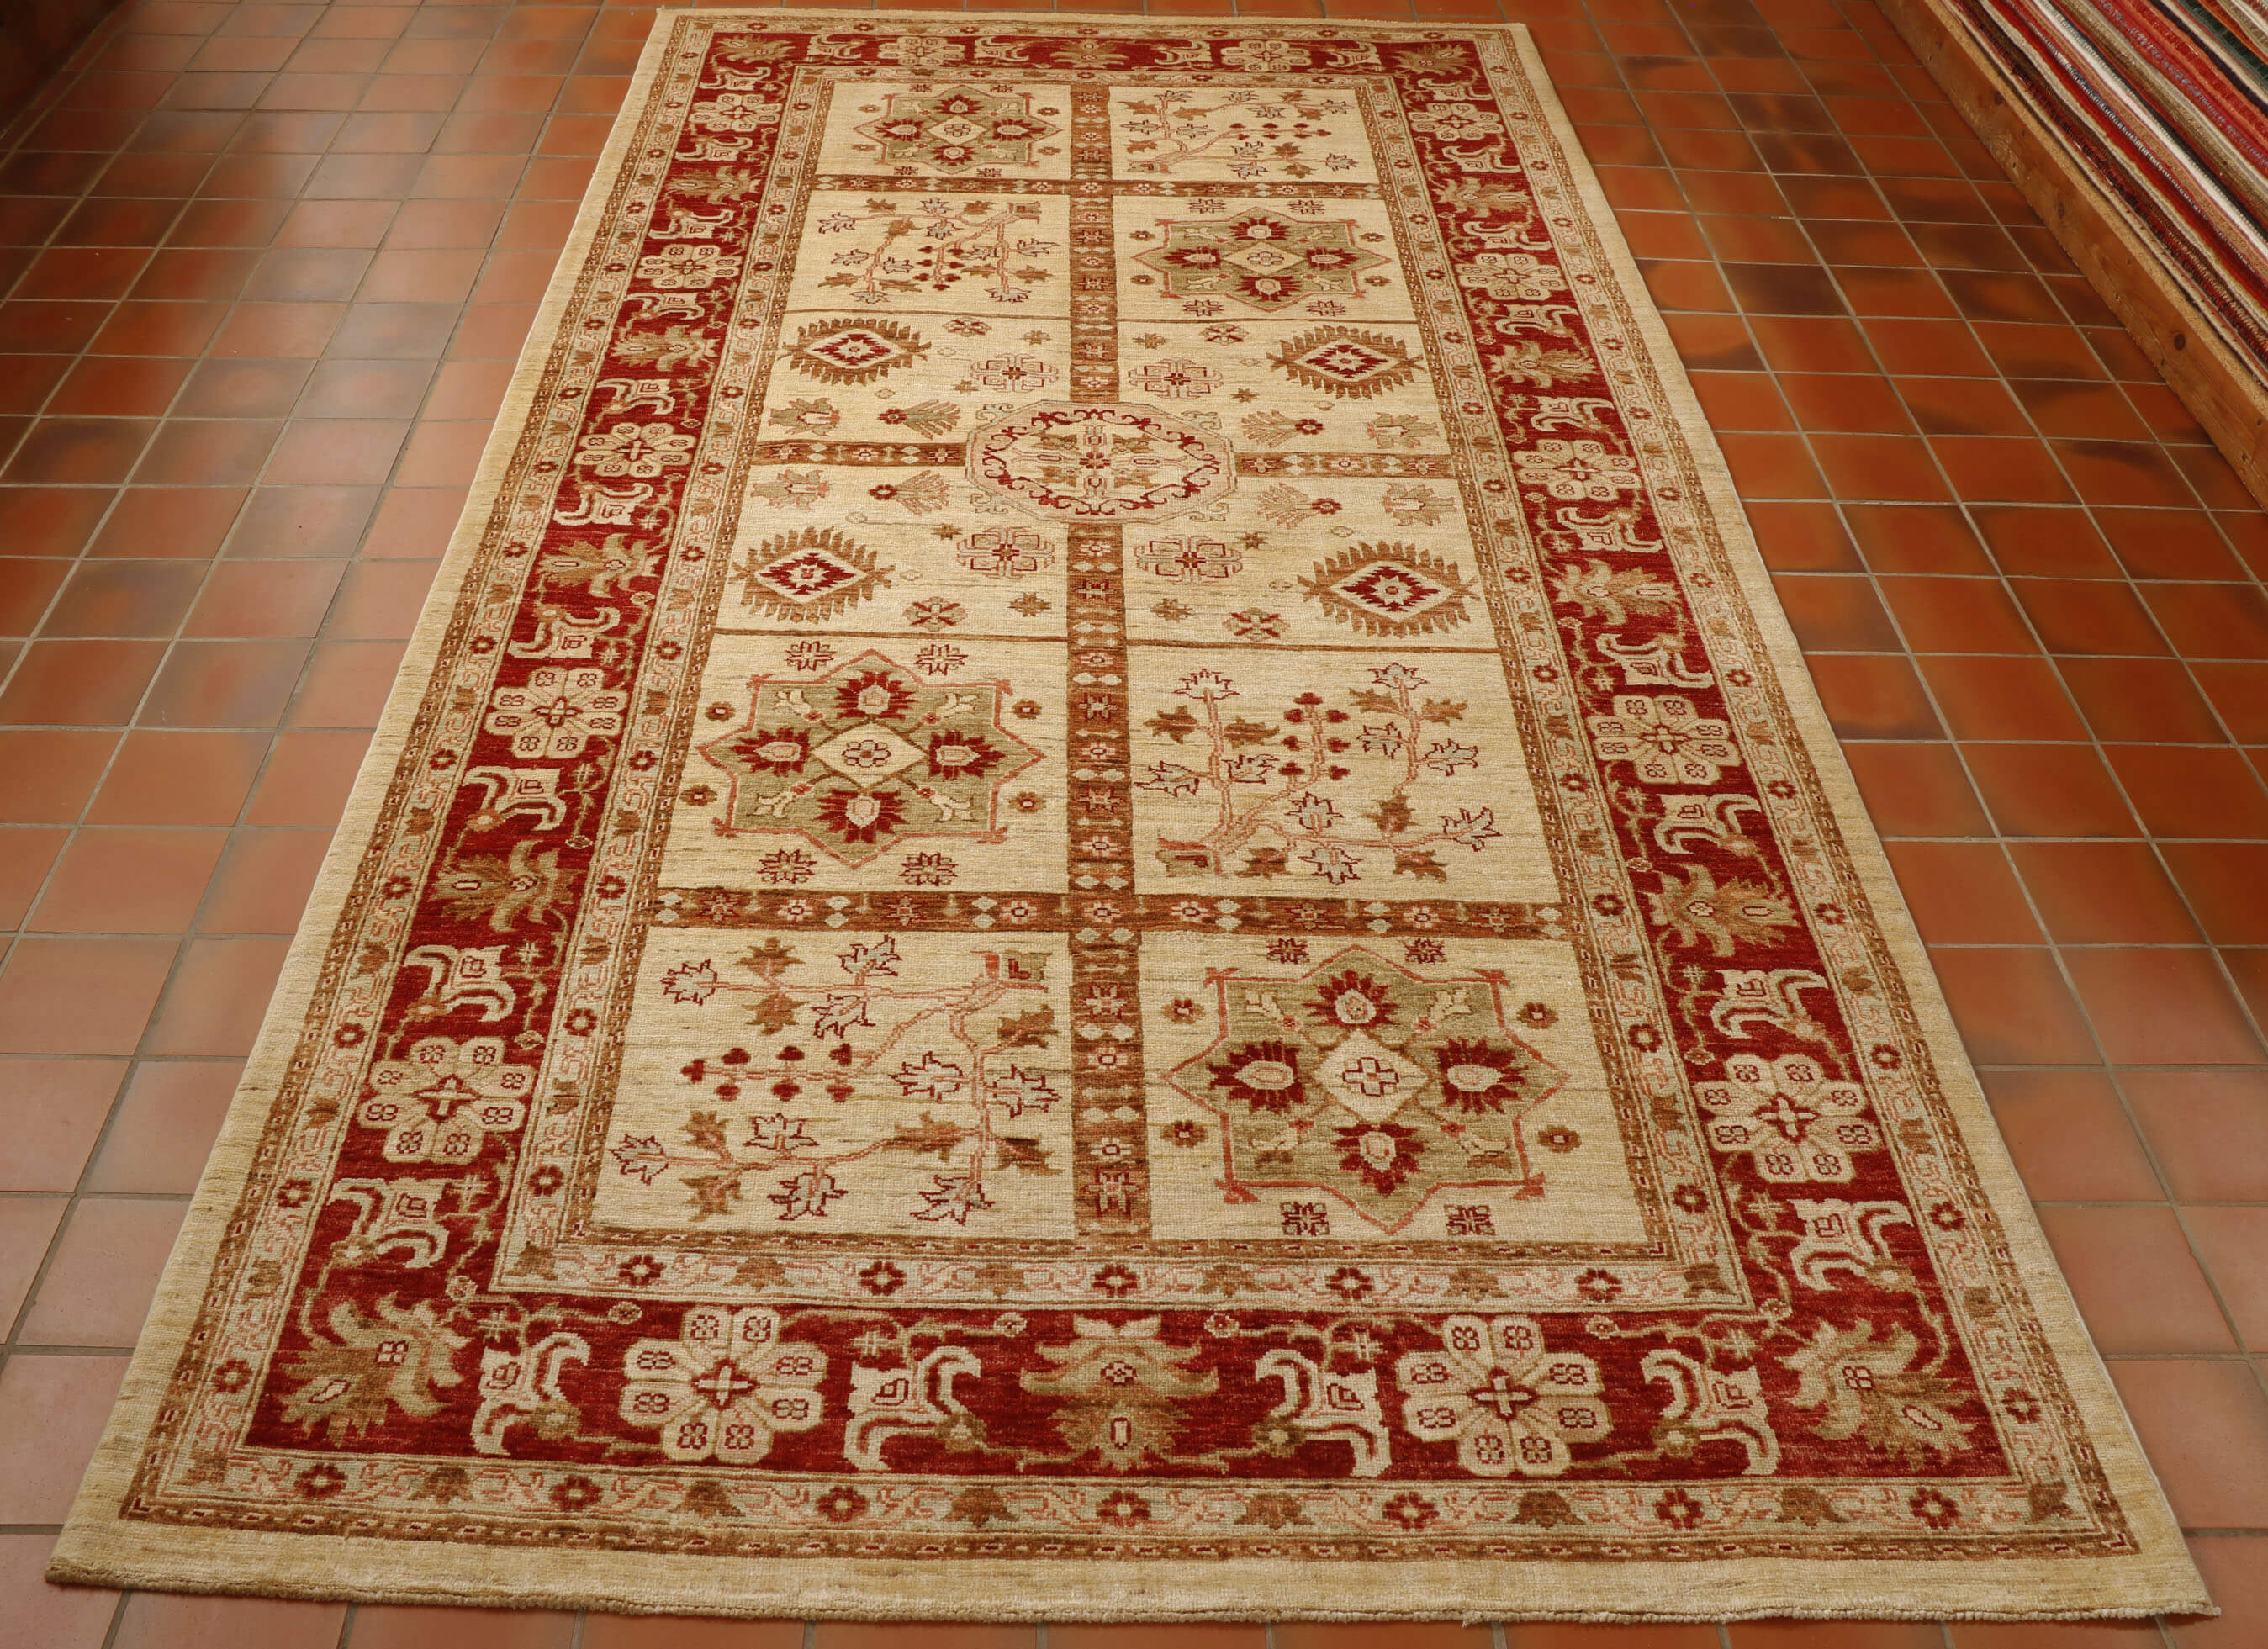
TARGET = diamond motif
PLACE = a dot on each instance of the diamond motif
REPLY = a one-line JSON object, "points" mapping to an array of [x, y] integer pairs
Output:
{"points": [[810, 574], [854, 350], [1389, 590], [1349, 361], [1369, 1078]]}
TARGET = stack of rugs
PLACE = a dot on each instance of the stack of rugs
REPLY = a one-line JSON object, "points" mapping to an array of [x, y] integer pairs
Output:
{"points": [[2164, 105]]}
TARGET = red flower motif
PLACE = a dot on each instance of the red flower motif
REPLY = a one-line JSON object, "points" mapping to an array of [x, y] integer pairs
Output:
{"points": [[1264, 1075], [1383, 1153], [862, 815], [1124, 1510], [1351, 1000], [882, 1278], [961, 755], [876, 694], [785, 751], [1412, 1512], [1476, 1077]]}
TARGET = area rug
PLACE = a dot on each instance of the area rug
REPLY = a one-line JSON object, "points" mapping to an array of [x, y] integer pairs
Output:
{"points": [[1102, 889]]}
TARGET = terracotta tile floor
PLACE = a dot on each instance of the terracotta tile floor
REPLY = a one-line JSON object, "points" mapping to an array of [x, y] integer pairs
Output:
{"points": [[266, 268]]}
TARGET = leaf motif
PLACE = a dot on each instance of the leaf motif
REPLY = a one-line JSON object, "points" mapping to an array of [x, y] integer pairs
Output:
{"points": [[1392, 816], [927, 1137], [1176, 724], [773, 1013], [713, 1193], [1035, 1029], [836, 1015]]}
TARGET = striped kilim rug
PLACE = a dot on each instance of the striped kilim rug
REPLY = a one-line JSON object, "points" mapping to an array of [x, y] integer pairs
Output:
{"points": [[2162, 106], [1102, 889]]}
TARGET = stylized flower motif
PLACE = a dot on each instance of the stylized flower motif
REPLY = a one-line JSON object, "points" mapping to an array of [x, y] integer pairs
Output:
{"points": [[1411, 1510], [319, 1481], [1023, 374], [1267, 56], [1175, 378], [881, 1278], [1005, 552], [1512, 277], [370, 1364], [787, 867], [1576, 471], [1265, 1075], [551, 716], [962, 755], [439, 1103], [873, 693], [726, 1387], [1665, 738], [928, 870], [639, 451], [1934, 1507], [686, 266], [1678, 1509], [503, 890], [1189, 560], [936, 614], [1794, 1121], [1479, 1076], [862, 816], [1453, 122], [1868, 1389], [1383, 1153], [1509, 1404], [1123, 1388], [575, 1493], [1352, 1001], [1123, 1509], [785, 751]]}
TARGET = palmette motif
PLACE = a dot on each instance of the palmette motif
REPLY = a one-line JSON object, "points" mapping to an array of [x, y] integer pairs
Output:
{"points": [[1102, 863]]}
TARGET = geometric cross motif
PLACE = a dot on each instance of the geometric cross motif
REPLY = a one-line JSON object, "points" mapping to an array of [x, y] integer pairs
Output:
{"points": [[863, 757]]}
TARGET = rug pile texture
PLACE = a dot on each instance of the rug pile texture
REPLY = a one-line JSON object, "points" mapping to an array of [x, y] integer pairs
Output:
{"points": [[1102, 889]]}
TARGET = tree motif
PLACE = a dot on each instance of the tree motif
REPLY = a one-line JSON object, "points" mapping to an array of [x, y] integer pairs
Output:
{"points": [[953, 1071], [1267, 787]]}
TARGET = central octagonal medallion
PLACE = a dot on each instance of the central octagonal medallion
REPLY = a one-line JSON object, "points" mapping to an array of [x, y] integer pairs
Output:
{"points": [[1100, 461]]}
